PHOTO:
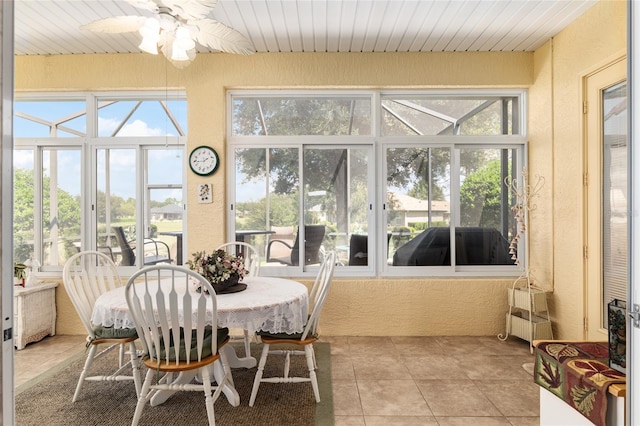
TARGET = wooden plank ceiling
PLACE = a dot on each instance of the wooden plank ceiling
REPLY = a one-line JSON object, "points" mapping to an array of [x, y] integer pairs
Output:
{"points": [[51, 27]]}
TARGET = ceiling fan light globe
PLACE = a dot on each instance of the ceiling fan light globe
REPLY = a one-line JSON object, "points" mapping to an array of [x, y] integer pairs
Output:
{"points": [[149, 45], [178, 53], [151, 25], [184, 36], [185, 44]]}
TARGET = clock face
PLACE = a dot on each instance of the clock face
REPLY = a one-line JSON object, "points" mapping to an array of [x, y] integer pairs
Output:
{"points": [[204, 160]]}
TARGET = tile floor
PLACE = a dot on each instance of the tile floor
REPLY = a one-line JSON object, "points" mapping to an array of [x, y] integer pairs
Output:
{"points": [[445, 381]]}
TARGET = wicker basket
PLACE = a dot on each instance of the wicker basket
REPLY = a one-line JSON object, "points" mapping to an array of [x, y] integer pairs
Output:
{"points": [[519, 325], [519, 298], [34, 310]]}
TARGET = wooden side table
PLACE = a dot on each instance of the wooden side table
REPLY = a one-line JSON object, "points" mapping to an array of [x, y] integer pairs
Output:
{"points": [[34, 313]]}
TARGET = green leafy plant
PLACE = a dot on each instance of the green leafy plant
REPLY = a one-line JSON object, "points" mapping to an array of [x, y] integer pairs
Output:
{"points": [[19, 271]]}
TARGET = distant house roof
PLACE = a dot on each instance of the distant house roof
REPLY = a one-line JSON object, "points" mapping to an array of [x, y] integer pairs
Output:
{"points": [[407, 203], [168, 209]]}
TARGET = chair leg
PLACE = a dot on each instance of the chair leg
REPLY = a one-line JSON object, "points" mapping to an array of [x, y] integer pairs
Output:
{"points": [[135, 367], [309, 353], [256, 381], [208, 399], [121, 355], [85, 370], [142, 398], [247, 343]]}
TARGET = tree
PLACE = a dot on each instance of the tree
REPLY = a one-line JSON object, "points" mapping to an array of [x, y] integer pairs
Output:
{"points": [[480, 197], [324, 169], [67, 219]]}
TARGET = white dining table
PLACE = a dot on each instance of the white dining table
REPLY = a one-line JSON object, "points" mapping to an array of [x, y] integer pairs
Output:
{"points": [[275, 305]]}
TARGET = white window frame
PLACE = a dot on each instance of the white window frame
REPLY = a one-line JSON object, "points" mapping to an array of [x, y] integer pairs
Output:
{"points": [[377, 185], [89, 146]]}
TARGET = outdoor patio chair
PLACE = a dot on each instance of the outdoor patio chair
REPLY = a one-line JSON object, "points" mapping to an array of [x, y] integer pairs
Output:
{"points": [[151, 246], [313, 234], [87, 275], [317, 297], [358, 250], [179, 333]]}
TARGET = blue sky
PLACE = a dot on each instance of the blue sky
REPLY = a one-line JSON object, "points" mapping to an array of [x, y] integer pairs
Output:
{"points": [[147, 120]]}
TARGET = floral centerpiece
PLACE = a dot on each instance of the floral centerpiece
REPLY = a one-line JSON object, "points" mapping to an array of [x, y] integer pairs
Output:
{"points": [[220, 268]]}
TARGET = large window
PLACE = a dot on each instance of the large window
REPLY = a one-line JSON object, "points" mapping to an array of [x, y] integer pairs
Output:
{"points": [[395, 183], [86, 166]]}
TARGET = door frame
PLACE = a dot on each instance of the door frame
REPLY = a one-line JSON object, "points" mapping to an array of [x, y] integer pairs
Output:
{"points": [[614, 72]]}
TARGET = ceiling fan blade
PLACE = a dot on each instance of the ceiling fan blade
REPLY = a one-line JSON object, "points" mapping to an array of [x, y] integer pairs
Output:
{"points": [[189, 10], [218, 36], [116, 24], [151, 5]]}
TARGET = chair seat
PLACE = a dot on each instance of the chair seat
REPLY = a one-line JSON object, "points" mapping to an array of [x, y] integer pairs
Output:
{"points": [[112, 340], [103, 332], [86, 275], [172, 366], [286, 260], [154, 260], [305, 339], [179, 334], [283, 336], [273, 340], [222, 337]]}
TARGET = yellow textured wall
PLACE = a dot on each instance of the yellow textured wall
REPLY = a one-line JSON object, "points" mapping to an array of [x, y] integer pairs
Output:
{"points": [[408, 306], [556, 152]]}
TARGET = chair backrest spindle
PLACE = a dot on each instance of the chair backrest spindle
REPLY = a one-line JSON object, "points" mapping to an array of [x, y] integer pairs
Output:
{"points": [[319, 292], [249, 252], [167, 310], [87, 275]]}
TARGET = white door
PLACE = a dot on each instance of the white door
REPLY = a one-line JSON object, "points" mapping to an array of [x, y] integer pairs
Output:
{"points": [[633, 332], [606, 194], [6, 223]]}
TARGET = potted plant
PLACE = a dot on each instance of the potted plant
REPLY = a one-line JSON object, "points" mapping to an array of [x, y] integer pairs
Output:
{"points": [[222, 269], [19, 273]]}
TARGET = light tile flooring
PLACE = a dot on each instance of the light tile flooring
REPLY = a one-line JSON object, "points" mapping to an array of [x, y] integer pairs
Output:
{"points": [[445, 381]]}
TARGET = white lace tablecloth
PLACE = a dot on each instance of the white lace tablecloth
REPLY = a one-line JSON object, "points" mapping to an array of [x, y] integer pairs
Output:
{"points": [[275, 305]]}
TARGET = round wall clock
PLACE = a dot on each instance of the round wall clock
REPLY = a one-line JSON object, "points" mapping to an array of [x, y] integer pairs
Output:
{"points": [[204, 160]]}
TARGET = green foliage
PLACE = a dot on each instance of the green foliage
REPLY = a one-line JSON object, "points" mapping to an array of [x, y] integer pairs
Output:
{"points": [[421, 226], [480, 197], [420, 190], [410, 169], [68, 214], [300, 116], [67, 220], [283, 209]]}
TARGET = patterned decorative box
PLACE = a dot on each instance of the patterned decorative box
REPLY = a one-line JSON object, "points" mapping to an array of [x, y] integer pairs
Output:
{"points": [[618, 335]]}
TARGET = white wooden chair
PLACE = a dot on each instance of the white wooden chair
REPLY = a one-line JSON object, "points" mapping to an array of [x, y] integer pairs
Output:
{"points": [[249, 252], [252, 263], [178, 331], [87, 275], [317, 297]]}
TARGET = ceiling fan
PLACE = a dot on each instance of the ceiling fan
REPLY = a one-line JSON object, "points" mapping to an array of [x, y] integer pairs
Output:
{"points": [[175, 28]]}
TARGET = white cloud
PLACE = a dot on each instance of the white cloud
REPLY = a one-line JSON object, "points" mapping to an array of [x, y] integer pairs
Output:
{"points": [[136, 128], [23, 159], [139, 128]]}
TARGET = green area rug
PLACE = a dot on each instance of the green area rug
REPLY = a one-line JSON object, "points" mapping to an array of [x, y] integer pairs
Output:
{"points": [[46, 400]]}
